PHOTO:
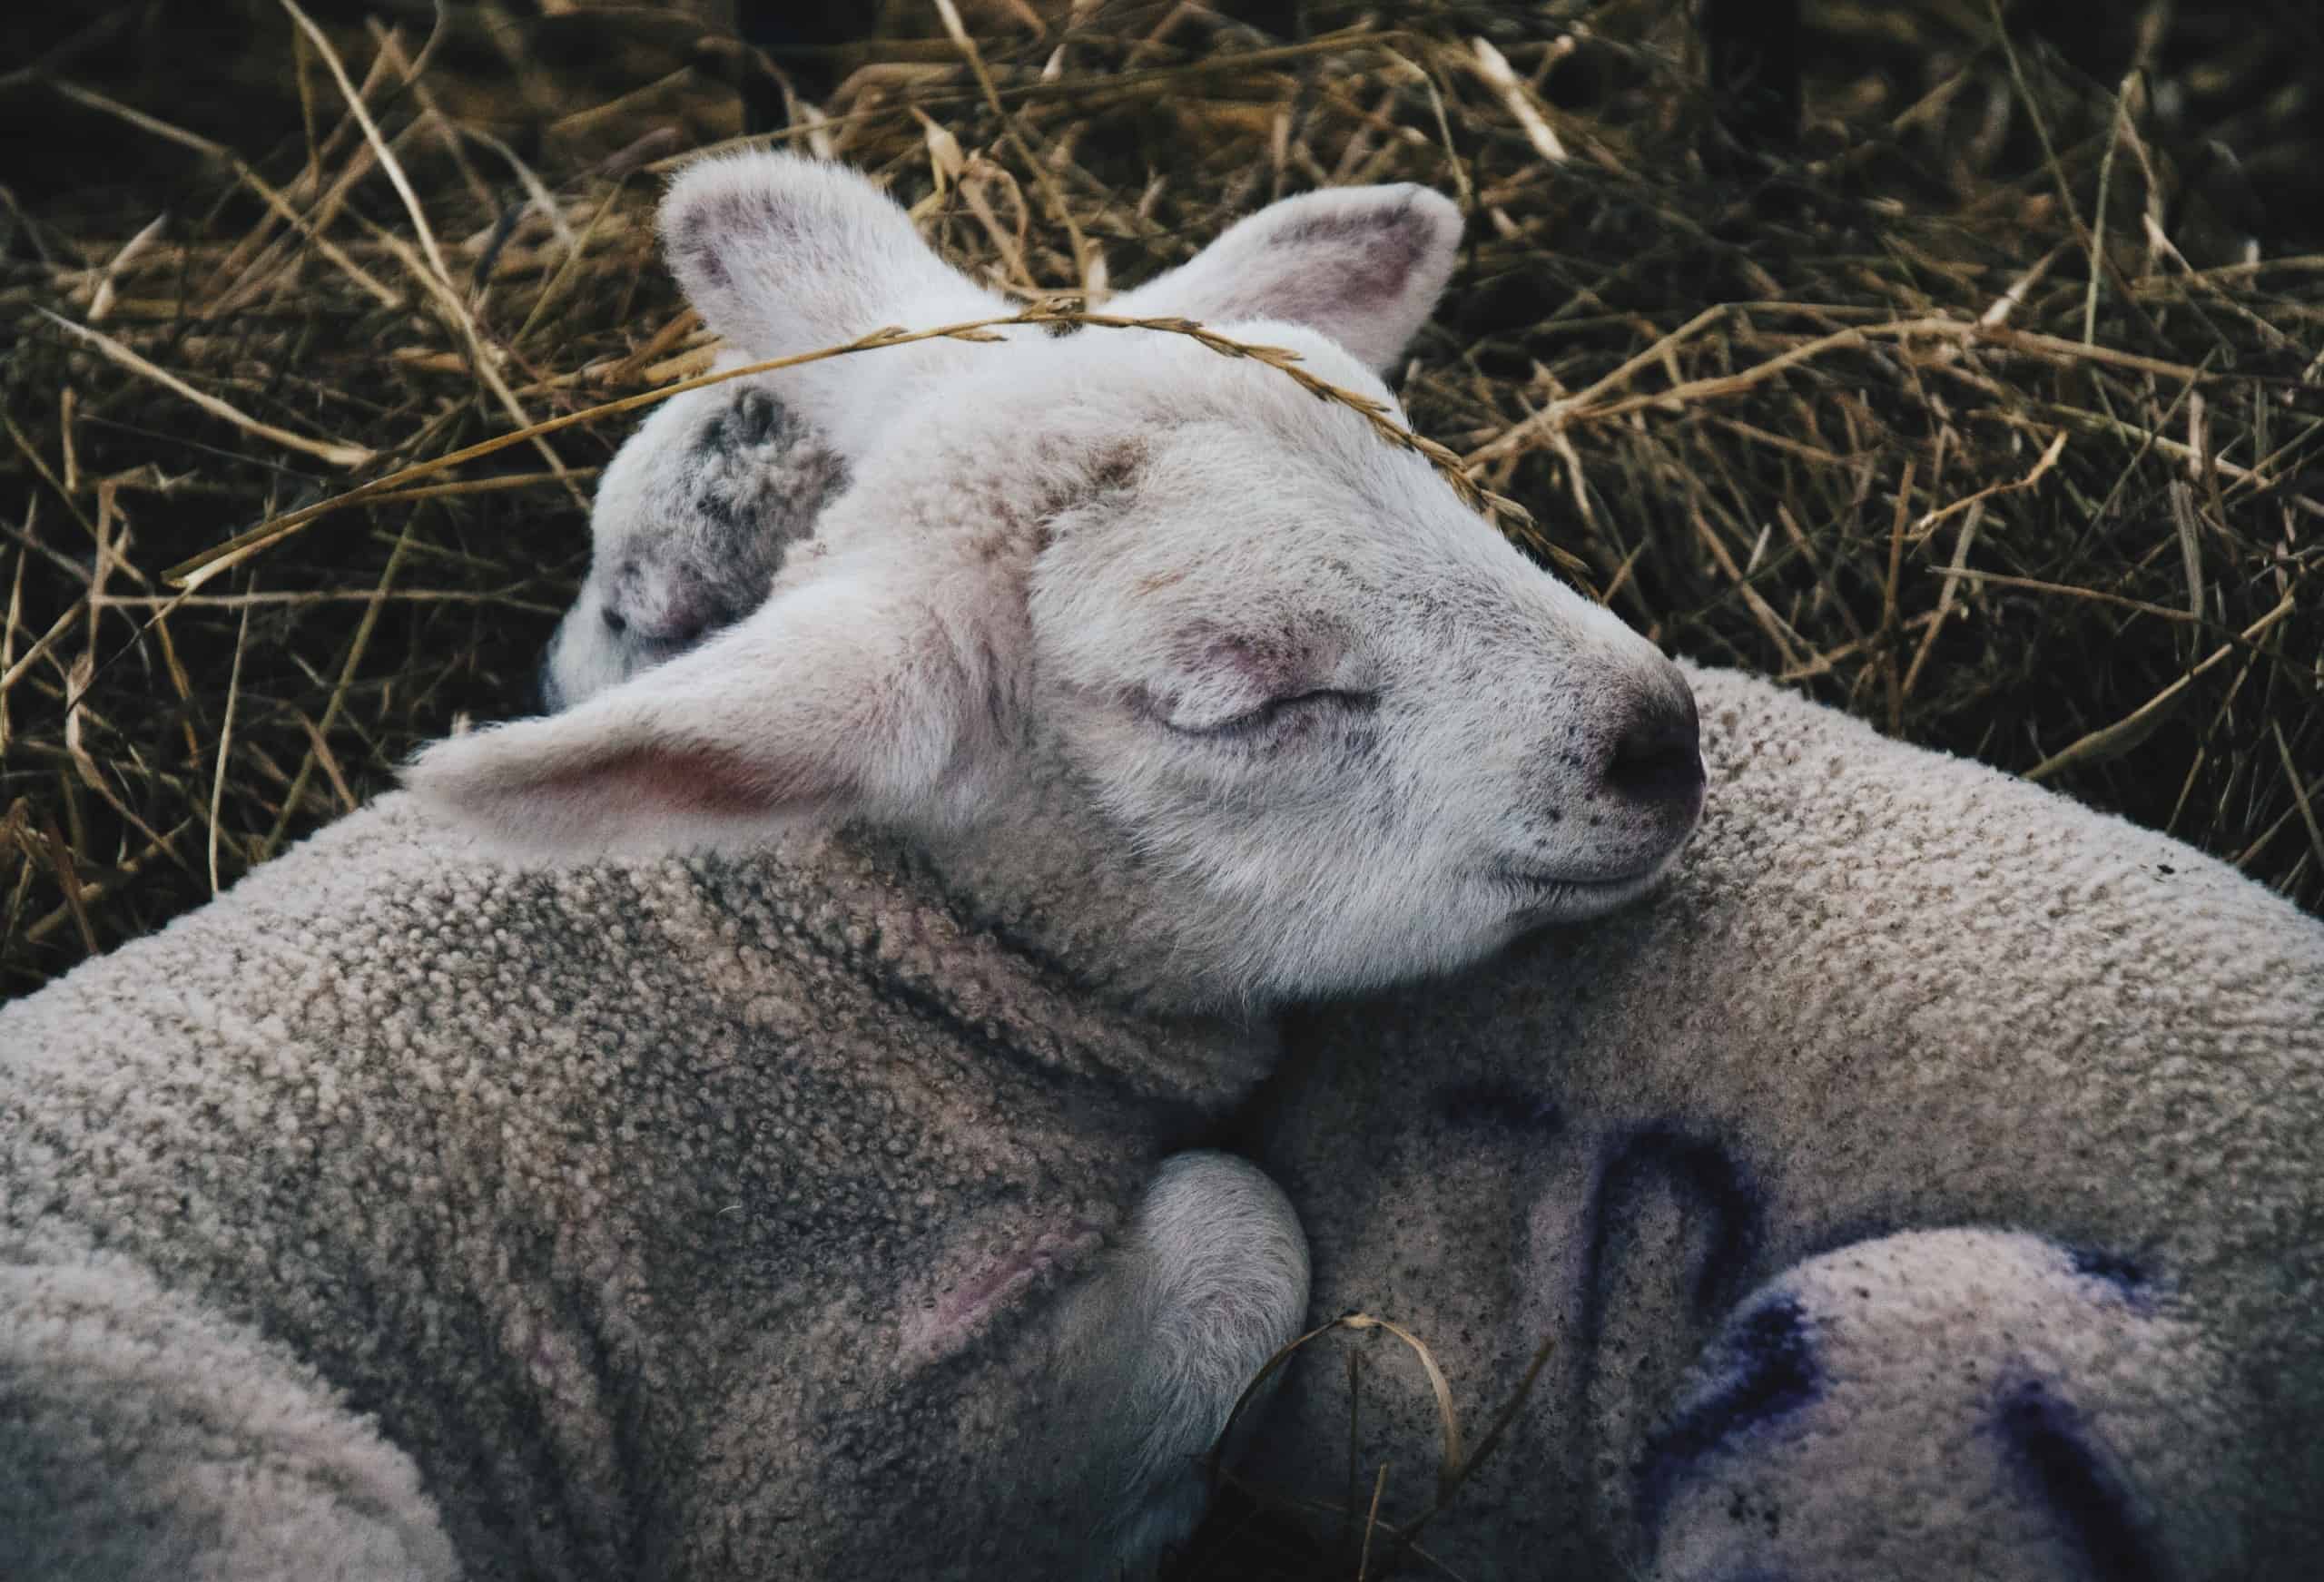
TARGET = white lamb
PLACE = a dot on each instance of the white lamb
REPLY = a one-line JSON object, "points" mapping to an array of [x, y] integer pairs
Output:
{"points": [[802, 1209], [1928, 1184], [692, 519]]}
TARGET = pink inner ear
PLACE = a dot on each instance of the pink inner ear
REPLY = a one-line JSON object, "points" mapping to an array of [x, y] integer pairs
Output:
{"points": [[1349, 260], [704, 781]]}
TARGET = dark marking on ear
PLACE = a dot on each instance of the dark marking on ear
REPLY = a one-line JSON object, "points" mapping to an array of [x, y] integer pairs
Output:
{"points": [[1373, 253], [2048, 1443], [1762, 1370], [709, 266], [752, 418], [712, 437], [720, 512], [1704, 1177], [1500, 1106], [757, 415], [733, 217], [693, 234]]}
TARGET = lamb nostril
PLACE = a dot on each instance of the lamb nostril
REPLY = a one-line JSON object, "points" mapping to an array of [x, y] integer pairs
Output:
{"points": [[615, 621], [1659, 759]]}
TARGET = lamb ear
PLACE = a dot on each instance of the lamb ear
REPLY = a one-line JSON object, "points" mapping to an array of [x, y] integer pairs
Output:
{"points": [[835, 701], [1363, 265], [782, 254]]}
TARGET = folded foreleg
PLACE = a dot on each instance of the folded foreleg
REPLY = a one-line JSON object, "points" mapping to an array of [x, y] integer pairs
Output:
{"points": [[1210, 1282]]}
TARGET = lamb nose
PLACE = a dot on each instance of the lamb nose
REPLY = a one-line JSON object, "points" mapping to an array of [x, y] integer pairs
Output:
{"points": [[1659, 758]]}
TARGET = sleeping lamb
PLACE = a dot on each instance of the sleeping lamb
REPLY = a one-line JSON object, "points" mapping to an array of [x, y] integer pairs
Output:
{"points": [[1925, 1185], [1928, 1184], [801, 1209], [698, 508]]}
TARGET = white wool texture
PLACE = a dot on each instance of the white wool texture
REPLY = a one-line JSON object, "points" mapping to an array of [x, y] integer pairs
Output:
{"points": [[1928, 1182], [680, 1219]]}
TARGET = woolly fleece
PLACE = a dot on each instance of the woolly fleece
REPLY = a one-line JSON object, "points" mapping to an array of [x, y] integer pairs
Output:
{"points": [[672, 1219], [1711, 1146]]}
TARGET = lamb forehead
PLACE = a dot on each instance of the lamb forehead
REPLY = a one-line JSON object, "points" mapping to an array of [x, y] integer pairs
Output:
{"points": [[1073, 408], [1239, 476], [1286, 474]]}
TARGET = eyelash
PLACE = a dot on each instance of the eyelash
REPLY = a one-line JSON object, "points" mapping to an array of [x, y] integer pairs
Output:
{"points": [[1258, 720]]}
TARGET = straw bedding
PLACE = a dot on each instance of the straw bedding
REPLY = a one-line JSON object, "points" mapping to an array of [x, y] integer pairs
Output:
{"points": [[1989, 406]]}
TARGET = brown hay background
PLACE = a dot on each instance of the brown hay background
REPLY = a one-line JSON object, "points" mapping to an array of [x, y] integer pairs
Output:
{"points": [[2071, 526], [1874, 521], [1808, 523]]}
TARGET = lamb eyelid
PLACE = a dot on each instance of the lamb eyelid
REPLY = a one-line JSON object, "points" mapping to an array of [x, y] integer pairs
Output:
{"points": [[1266, 713]]}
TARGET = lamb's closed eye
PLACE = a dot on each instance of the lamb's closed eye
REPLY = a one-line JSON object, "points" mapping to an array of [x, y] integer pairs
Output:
{"points": [[1260, 719], [1261, 685]]}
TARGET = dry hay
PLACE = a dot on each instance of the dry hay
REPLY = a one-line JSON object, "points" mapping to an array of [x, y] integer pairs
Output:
{"points": [[1868, 420], [1969, 413]]}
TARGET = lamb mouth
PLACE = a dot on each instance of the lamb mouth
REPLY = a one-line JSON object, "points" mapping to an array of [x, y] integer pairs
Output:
{"points": [[1541, 891]]}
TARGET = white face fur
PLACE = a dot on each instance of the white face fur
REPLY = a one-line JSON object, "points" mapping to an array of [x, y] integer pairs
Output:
{"points": [[1112, 609]]}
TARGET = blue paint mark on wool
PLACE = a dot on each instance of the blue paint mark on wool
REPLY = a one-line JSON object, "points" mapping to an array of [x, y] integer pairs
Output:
{"points": [[1766, 1369]]}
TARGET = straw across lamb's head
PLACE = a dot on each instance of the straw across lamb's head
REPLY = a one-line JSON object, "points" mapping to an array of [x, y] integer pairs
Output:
{"points": [[699, 507], [1109, 627]]}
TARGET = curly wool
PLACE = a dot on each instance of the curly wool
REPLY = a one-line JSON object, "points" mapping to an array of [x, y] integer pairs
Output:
{"points": [[669, 1213], [1712, 1147]]}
